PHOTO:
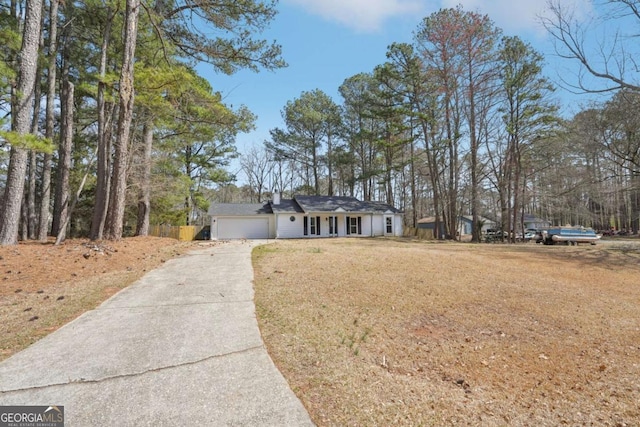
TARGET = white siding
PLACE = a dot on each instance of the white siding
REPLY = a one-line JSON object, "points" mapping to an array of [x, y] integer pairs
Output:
{"points": [[397, 229], [366, 224], [325, 225], [280, 226], [287, 229], [378, 225], [342, 228]]}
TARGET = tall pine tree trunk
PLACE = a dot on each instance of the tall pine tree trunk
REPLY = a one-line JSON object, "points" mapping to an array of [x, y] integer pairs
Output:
{"points": [[30, 213], [45, 192], [475, 179], [32, 216], [516, 191], [14, 190], [329, 165], [144, 200], [45, 198], [66, 145], [412, 174], [62, 195], [450, 218], [104, 142], [115, 214], [508, 199]]}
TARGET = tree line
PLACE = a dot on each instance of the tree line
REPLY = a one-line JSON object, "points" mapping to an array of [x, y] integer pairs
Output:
{"points": [[103, 115], [107, 127], [462, 121]]}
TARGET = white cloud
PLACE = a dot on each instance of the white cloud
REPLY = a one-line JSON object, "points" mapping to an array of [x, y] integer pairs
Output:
{"points": [[516, 16], [363, 15], [513, 16]]}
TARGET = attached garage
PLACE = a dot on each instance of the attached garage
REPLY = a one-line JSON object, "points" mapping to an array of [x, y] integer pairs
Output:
{"points": [[241, 221], [242, 228]]}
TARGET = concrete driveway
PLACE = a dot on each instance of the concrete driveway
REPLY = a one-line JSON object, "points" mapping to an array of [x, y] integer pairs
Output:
{"points": [[180, 347]]}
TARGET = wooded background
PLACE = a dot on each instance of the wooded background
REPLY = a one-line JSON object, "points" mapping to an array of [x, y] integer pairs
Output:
{"points": [[107, 128]]}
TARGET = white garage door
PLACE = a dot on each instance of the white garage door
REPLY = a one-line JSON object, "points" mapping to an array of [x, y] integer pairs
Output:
{"points": [[243, 228]]}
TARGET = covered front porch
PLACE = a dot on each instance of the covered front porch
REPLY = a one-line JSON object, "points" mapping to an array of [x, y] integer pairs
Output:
{"points": [[334, 224]]}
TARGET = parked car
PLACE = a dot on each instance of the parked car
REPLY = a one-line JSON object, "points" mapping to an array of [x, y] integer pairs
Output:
{"points": [[492, 235], [533, 234]]}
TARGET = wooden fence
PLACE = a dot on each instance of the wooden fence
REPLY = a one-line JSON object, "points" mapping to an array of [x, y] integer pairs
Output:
{"points": [[182, 232]]}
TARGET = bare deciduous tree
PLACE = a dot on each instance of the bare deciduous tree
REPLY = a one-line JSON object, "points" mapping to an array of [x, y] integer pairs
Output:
{"points": [[257, 166], [611, 60]]}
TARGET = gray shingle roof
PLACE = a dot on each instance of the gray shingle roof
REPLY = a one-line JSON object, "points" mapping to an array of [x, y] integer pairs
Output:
{"points": [[300, 204], [379, 207], [239, 209], [333, 203], [286, 206]]}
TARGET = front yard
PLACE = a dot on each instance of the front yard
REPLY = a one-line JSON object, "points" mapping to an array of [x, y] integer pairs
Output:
{"points": [[382, 332]]}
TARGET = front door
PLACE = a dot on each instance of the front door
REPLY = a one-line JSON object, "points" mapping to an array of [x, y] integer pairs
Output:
{"points": [[388, 225], [333, 226]]}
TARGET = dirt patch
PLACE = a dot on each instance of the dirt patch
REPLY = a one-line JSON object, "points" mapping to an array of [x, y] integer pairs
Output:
{"points": [[43, 286], [382, 332]]}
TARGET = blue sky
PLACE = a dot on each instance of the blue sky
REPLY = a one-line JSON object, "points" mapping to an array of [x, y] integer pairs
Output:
{"points": [[327, 41]]}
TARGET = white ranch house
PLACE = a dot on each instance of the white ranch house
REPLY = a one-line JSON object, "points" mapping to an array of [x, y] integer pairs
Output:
{"points": [[304, 217]]}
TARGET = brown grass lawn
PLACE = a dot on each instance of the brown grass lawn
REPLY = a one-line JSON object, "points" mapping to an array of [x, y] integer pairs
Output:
{"points": [[397, 332]]}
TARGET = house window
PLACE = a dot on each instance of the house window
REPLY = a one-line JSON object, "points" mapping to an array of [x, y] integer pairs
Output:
{"points": [[333, 225], [311, 225], [389, 224], [354, 225]]}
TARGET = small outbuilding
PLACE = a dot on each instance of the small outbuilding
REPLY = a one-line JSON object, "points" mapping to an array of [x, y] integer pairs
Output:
{"points": [[535, 223], [465, 225]]}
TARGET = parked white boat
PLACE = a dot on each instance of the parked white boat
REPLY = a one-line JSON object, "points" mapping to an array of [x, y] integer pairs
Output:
{"points": [[569, 235]]}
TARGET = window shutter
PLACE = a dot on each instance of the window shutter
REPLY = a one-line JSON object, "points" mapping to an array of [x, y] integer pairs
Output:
{"points": [[305, 226], [359, 225], [318, 225], [348, 225]]}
